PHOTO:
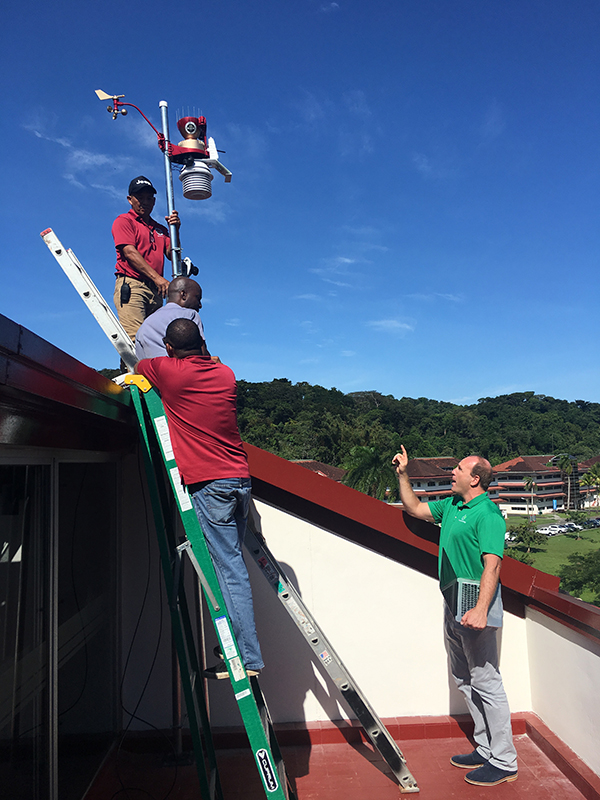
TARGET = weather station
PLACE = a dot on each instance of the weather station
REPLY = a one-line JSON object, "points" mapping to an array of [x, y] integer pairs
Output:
{"points": [[194, 157]]}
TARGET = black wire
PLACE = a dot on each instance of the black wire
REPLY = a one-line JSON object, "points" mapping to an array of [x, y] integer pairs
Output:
{"points": [[132, 714], [82, 626], [73, 584]]}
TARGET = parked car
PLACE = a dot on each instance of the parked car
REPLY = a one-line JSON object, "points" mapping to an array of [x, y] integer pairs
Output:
{"points": [[545, 530]]}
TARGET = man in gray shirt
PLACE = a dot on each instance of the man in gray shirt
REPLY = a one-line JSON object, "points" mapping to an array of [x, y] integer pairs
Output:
{"points": [[184, 300]]}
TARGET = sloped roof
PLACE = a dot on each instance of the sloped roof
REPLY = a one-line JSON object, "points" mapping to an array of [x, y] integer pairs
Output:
{"points": [[526, 464], [326, 470], [585, 465], [431, 467]]}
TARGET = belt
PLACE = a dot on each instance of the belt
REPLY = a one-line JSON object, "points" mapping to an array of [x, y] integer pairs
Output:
{"points": [[150, 284]]}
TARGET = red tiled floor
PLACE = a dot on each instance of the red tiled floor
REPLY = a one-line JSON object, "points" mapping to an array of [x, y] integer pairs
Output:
{"points": [[332, 771]]}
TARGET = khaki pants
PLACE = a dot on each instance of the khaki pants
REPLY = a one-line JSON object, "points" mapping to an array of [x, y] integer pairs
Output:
{"points": [[144, 301]]}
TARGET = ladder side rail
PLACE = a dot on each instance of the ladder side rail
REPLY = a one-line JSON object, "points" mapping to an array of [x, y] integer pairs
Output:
{"points": [[257, 735], [93, 299], [263, 710], [173, 561], [329, 660], [210, 785]]}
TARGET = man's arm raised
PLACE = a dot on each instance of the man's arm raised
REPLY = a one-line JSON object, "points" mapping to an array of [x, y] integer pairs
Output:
{"points": [[409, 499]]}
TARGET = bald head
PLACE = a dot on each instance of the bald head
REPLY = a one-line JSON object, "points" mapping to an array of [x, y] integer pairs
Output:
{"points": [[185, 292], [481, 468], [182, 338]]}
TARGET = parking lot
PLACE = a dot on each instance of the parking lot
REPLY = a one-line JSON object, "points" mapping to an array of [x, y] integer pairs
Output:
{"points": [[568, 527]]}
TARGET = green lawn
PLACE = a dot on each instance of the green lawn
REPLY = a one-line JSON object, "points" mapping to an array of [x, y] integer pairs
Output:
{"points": [[556, 550]]}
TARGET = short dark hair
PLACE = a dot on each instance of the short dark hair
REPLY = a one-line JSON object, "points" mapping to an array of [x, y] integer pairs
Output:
{"points": [[483, 469], [183, 335]]}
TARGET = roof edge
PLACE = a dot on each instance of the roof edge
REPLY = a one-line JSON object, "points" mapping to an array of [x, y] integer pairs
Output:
{"points": [[389, 531]]}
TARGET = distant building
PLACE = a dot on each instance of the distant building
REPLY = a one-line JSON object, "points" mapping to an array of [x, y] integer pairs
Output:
{"points": [[431, 478], [551, 490], [335, 473]]}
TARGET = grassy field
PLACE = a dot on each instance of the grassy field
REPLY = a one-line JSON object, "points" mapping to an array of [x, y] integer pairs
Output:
{"points": [[557, 549]]}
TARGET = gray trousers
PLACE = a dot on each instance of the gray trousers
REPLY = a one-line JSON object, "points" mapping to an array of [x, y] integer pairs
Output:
{"points": [[474, 664]]}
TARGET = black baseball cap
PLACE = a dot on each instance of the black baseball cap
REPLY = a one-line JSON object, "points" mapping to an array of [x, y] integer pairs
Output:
{"points": [[141, 184]]}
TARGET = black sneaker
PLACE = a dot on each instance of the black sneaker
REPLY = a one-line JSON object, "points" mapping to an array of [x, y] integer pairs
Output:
{"points": [[469, 761], [489, 775], [219, 672]]}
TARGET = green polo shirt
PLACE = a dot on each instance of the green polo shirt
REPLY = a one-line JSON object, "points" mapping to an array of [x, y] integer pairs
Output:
{"points": [[468, 531]]}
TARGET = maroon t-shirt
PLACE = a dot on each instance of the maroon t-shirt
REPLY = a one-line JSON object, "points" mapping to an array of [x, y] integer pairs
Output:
{"points": [[199, 397], [151, 241]]}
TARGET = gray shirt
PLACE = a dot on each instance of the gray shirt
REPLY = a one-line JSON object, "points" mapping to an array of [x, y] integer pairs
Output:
{"points": [[149, 338]]}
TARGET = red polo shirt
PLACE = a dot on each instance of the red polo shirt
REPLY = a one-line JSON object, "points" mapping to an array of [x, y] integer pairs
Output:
{"points": [[199, 397], [151, 241]]}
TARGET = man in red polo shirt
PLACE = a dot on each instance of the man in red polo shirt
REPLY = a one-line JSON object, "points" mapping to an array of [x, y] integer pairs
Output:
{"points": [[199, 396], [142, 244]]}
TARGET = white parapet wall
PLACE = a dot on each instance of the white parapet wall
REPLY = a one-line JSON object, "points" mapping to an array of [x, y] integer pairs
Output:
{"points": [[565, 684], [383, 618]]}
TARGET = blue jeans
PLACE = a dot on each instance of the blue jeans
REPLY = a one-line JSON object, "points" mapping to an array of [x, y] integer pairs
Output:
{"points": [[222, 510]]}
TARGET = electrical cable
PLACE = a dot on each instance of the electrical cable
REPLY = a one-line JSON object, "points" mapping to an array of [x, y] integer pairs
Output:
{"points": [[74, 587], [133, 714]]}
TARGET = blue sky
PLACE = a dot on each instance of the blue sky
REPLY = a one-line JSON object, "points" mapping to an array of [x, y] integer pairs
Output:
{"points": [[415, 197]]}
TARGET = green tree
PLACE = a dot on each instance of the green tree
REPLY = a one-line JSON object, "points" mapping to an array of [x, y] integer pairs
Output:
{"points": [[526, 536], [581, 573], [592, 478], [565, 464], [371, 473], [589, 480], [530, 486], [110, 373], [578, 517]]}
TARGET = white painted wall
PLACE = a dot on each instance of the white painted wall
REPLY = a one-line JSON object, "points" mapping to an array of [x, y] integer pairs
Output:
{"points": [[565, 684], [384, 620]]}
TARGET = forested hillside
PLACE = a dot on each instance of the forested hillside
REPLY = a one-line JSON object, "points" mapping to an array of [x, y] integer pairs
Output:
{"points": [[303, 421]]}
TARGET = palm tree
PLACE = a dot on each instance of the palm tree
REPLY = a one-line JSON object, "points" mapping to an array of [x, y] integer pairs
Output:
{"points": [[592, 479], [589, 480], [530, 486], [565, 463], [370, 473]]}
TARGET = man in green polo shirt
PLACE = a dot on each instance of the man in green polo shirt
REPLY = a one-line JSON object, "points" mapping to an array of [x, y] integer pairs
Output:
{"points": [[471, 547]]}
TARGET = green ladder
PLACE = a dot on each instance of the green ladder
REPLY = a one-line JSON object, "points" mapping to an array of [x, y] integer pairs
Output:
{"points": [[253, 709]]}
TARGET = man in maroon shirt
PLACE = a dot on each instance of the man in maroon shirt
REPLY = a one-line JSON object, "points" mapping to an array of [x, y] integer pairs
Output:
{"points": [[141, 244], [199, 396]]}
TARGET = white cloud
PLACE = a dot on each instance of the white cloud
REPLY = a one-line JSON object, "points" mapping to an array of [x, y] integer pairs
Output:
{"points": [[356, 102], [113, 191], [422, 164], [430, 169], [210, 210], [391, 326], [234, 322], [308, 297], [452, 298], [81, 163], [329, 8], [348, 353]]}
